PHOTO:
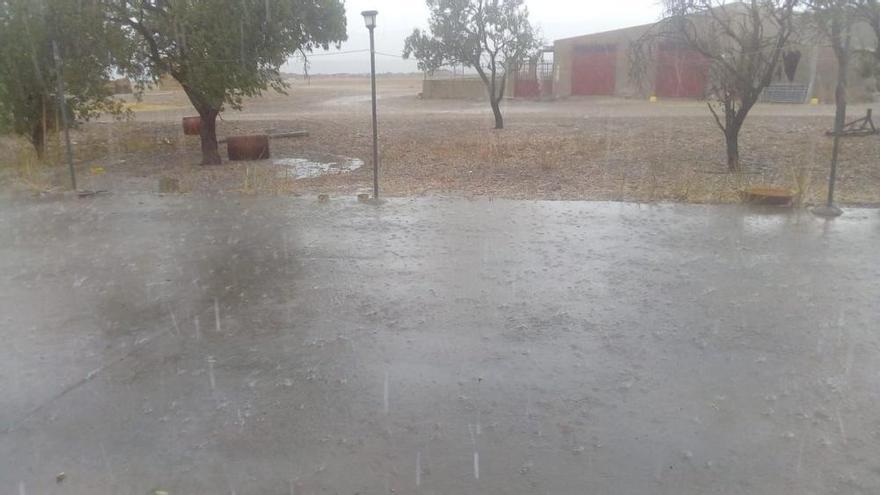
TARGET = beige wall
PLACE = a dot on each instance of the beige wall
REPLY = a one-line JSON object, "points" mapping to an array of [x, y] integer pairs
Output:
{"points": [[622, 38], [445, 89], [469, 88], [859, 89]]}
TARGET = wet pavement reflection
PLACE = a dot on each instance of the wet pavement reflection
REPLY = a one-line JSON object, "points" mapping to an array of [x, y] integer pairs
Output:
{"points": [[269, 345]]}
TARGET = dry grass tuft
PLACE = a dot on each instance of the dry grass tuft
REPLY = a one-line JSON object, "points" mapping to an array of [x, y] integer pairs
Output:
{"points": [[23, 167]]}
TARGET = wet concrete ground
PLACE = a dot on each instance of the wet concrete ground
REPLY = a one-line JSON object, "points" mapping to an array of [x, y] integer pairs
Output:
{"points": [[275, 346]]}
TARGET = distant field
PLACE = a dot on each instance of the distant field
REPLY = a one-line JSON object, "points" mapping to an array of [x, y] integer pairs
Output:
{"points": [[582, 148]]}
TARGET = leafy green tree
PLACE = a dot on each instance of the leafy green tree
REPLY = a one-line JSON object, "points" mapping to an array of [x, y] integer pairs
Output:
{"points": [[492, 37], [222, 51], [89, 49], [427, 51], [5, 118]]}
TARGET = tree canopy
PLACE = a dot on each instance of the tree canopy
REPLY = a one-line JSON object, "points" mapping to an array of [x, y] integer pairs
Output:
{"points": [[89, 49], [491, 36], [222, 51], [5, 117]]}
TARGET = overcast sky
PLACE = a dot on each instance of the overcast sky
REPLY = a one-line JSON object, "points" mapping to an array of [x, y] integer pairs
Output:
{"points": [[397, 18]]}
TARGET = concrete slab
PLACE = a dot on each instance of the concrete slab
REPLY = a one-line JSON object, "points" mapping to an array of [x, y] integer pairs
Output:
{"points": [[252, 345]]}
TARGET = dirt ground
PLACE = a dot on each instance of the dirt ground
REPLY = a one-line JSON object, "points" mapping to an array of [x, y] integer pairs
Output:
{"points": [[579, 148]]}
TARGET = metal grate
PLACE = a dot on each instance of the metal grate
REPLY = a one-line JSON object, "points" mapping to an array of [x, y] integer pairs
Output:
{"points": [[785, 93]]}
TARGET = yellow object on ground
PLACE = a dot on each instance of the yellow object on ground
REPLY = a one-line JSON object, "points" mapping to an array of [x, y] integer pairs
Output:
{"points": [[814, 101], [653, 99], [97, 170]]}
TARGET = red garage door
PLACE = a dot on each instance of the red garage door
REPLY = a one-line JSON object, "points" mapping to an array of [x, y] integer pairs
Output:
{"points": [[593, 71], [681, 73]]}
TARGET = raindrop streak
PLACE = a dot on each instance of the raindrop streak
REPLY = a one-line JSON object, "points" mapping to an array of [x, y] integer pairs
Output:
{"points": [[476, 454], [800, 460], [386, 392], [21, 490], [418, 468], [840, 424], [174, 321], [198, 329], [217, 314], [477, 428], [211, 371]]}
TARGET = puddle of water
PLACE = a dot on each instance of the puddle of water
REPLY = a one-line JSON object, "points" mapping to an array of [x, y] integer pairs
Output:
{"points": [[305, 168]]}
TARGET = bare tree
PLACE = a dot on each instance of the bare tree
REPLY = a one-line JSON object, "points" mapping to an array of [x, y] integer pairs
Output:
{"points": [[742, 43], [491, 36]]}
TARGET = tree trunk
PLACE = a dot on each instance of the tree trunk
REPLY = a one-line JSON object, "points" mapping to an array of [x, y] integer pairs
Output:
{"points": [[208, 131], [44, 125], [731, 136], [208, 135], [38, 138], [496, 109]]}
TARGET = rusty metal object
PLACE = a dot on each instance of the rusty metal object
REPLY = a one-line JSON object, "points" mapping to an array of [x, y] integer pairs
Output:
{"points": [[771, 196], [192, 126], [243, 148], [859, 127]]}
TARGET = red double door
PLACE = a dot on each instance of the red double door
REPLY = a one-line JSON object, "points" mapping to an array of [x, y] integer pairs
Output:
{"points": [[594, 70], [681, 72]]}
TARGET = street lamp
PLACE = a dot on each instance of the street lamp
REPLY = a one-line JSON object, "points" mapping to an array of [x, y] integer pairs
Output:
{"points": [[830, 210], [370, 21]]}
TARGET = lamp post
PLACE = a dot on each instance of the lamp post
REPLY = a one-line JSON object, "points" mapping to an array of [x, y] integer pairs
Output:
{"points": [[370, 21], [62, 107]]}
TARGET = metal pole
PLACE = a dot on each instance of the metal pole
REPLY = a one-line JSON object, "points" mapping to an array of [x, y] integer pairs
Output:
{"points": [[840, 37], [835, 153], [62, 105], [375, 118]]}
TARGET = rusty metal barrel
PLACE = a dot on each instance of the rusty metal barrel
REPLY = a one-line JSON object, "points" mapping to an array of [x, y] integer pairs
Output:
{"points": [[192, 126], [242, 148]]}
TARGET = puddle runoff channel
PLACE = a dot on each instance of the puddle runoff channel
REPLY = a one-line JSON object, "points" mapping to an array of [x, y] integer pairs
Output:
{"points": [[309, 168]]}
